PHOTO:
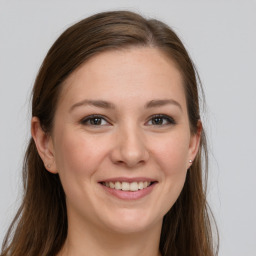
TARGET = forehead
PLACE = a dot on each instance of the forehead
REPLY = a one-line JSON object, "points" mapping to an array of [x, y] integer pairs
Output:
{"points": [[122, 74]]}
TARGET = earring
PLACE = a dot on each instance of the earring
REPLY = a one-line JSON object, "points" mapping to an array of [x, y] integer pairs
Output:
{"points": [[48, 166], [190, 161]]}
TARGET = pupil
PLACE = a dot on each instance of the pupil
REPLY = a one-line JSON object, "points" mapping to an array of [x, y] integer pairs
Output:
{"points": [[158, 120], [95, 121]]}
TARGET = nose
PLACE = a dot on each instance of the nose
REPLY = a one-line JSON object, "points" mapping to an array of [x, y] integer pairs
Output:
{"points": [[129, 148]]}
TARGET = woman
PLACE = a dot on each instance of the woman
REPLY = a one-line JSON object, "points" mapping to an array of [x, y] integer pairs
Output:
{"points": [[115, 163]]}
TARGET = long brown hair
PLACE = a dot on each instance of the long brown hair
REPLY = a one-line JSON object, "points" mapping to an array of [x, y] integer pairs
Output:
{"points": [[40, 226]]}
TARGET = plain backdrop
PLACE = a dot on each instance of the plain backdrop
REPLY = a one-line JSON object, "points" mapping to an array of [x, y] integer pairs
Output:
{"points": [[221, 38]]}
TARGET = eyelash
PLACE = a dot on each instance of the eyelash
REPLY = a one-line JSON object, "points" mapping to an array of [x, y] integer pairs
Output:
{"points": [[88, 119], [170, 120]]}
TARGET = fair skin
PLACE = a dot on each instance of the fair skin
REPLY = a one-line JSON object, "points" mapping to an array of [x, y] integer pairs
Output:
{"points": [[123, 168]]}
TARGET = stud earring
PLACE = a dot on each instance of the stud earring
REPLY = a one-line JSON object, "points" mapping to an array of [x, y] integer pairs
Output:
{"points": [[190, 161], [48, 166]]}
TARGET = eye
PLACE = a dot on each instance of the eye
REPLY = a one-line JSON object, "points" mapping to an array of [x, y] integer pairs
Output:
{"points": [[160, 120], [94, 120]]}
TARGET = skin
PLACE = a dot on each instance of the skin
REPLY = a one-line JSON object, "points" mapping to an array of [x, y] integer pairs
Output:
{"points": [[127, 142]]}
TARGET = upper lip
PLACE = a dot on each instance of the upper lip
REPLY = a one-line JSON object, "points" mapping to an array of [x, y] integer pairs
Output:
{"points": [[128, 179]]}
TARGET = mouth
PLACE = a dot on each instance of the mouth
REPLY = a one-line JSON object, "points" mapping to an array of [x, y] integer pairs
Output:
{"points": [[127, 186], [128, 189]]}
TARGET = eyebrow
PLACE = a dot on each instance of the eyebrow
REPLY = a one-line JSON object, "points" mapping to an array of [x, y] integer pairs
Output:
{"points": [[109, 105], [95, 103], [160, 103]]}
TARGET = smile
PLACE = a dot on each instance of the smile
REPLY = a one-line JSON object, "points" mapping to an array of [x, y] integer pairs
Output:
{"points": [[127, 186]]}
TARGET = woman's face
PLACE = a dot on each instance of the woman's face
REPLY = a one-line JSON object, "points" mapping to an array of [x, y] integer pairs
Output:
{"points": [[121, 141]]}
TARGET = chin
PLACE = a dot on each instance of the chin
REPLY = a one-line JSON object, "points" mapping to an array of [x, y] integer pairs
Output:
{"points": [[131, 221]]}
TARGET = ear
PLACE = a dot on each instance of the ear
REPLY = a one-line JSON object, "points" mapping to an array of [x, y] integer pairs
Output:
{"points": [[44, 145], [194, 143]]}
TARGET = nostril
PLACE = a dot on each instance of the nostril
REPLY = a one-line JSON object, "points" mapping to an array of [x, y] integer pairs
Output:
{"points": [[129, 151]]}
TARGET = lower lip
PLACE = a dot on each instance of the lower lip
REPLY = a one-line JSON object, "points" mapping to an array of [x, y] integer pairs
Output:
{"points": [[129, 195]]}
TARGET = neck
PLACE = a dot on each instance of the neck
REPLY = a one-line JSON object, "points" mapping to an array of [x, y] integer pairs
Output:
{"points": [[90, 240]]}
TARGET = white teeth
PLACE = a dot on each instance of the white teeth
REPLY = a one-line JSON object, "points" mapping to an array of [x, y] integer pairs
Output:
{"points": [[111, 184], [141, 186], [134, 186], [118, 185], [126, 186]]}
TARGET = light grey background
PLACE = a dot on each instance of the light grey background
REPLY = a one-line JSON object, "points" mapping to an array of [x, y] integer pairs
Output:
{"points": [[221, 38]]}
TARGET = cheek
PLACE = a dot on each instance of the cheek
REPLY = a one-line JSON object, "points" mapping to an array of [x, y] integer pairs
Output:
{"points": [[171, 157], [174, 168], [77, 158], [172, 153]]}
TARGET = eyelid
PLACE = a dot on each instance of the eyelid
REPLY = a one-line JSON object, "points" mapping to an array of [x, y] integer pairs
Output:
{"points": [[87, 118], [171, 120]]}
